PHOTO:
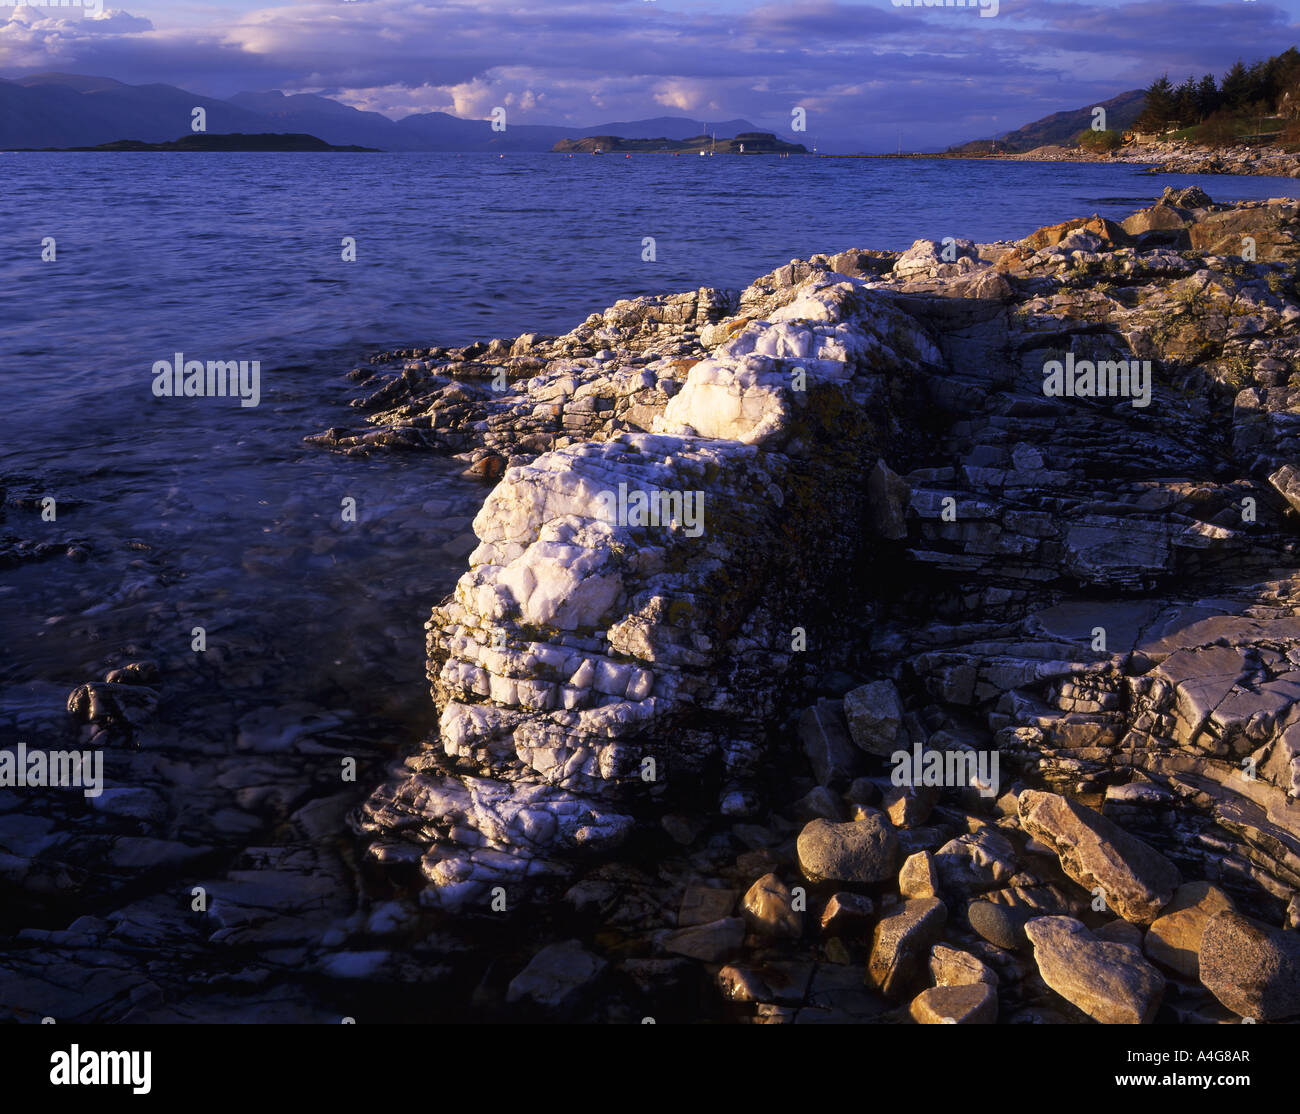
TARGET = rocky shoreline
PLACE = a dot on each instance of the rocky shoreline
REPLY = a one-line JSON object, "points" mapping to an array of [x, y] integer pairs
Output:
{"points": [[908, 545], [664, 782], [1164, 157]]}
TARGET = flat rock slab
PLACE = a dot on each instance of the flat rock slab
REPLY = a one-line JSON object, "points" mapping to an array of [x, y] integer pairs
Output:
{"points": [[1136, 879], [711, 942], [1109, 982], [1251, 968], [702, 904], [780, 982]]}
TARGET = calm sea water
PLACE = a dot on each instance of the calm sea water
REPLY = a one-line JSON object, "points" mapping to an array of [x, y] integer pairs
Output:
{"points": [[201, 508]]}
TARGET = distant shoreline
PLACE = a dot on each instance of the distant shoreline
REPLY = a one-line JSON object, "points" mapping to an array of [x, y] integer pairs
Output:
{"points": [[270, 142]]}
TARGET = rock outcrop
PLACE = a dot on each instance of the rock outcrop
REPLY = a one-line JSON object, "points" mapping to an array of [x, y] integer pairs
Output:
{"points": [[1023, 510]]}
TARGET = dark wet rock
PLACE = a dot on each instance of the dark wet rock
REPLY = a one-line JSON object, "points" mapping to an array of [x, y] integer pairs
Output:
{"points": [[778, 981], [819, 804], [848, 914], [126, 707], [1001, 925]]}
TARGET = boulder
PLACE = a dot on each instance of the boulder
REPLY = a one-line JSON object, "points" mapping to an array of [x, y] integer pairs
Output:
{"points": [[1158, 218], [1109, 982], [902, 940], [918, 877], [975, 862], [769, 908], [953, 967], [1224, 233], [1174, 938], [965, 1004], [1136, 879], [859, 851], [875, 716], [1253, 969], [826, 742], [1001, 925], [1110, 233]]}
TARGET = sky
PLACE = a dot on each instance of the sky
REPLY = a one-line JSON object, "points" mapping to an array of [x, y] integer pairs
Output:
{"points": [[868, 74]]}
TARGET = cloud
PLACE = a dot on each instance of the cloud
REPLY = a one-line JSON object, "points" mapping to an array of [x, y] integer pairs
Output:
{"points": [[863, 70]]}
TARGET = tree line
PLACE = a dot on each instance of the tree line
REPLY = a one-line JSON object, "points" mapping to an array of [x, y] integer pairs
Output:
{"points": [[1270, 87]]}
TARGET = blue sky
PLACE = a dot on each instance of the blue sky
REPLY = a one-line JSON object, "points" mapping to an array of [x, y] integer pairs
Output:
{"points": [[864, 70]]}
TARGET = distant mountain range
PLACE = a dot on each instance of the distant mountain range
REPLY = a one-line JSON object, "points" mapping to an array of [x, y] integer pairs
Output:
{"points": [[1060, 128], [74, 110]]}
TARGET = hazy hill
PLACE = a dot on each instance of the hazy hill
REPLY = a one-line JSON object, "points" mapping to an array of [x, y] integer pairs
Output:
{"points": [[1060, 128], [49, 110]]}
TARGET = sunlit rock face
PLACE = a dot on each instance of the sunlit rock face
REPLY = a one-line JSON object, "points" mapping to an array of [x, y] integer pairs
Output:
{"points": [[626, 629]]}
